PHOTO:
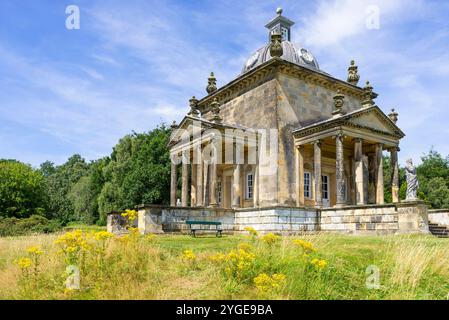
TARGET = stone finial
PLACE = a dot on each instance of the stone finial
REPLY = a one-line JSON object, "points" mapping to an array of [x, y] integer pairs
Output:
{"points": [[215, 107], [339, 101], [393, 116], [276, 44], [174, 125], [368, 95], [279, 11], [211, 83], [353, 75], [193, 102]]}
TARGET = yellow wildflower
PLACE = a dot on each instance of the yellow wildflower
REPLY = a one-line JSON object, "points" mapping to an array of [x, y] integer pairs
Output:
{"points": [[219, 257], [305, 245], [189, 255], [251, 231], [270, 238], [245, 246], [265, 283], [34, 250], [130, 215], [320, 264], [102, 235], [24, 263]]}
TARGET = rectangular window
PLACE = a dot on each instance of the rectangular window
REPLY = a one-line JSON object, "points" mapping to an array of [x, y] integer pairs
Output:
{"points": [[219, 191], [249, 186], [325, 187], [306, 184]]}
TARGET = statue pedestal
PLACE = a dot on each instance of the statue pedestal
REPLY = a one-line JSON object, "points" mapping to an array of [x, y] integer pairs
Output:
{"points": [[412, 217]]}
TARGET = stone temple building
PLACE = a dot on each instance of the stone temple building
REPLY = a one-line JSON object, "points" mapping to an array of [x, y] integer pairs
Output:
{"points": [[286, 147]]}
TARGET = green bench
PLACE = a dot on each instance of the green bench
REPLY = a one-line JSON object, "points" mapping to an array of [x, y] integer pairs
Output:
{"points": [[195, 225]]}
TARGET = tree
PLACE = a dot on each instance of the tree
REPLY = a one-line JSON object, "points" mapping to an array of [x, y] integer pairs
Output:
{"points": [[60, 181], [138, 172], [433, 175], [22, 190]]}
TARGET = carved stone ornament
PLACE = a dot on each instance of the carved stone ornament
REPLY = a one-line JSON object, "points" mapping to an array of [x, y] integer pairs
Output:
{"points": [[276, 44], [353, 75], [211, 84], [393, 116], [193, 102], [339, 101], [215, 107]]}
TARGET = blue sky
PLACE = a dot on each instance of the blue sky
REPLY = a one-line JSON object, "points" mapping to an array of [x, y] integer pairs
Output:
{"points": [[134, 64]]}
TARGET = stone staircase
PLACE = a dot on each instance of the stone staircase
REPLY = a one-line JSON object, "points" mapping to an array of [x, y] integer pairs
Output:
{"points": [[438, 230]]}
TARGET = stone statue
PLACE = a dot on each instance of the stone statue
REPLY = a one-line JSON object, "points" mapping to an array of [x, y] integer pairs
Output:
{"points": [[412, 180]]}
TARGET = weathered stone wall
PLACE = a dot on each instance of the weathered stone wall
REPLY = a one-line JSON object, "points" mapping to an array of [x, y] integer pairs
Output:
{"points": [[160, 219], [440, 217], [277, 219], [359, 220], [299, 103], [116, 224], [405, 217], [412, 217]]}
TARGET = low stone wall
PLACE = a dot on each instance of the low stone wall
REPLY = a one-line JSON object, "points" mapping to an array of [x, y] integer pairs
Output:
{"points": [[277, 219], [440, 217], [404, 217], [116, 223], [160, 219], [360, 219]]}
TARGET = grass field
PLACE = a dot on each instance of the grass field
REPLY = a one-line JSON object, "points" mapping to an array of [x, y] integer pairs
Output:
{"points": [[321, 266]]}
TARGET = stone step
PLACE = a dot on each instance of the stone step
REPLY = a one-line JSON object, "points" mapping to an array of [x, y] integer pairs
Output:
{"points": [[438, 230]]}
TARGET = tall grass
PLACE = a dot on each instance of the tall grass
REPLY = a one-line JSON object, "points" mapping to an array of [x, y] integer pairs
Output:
{"points": [[233, 267]]}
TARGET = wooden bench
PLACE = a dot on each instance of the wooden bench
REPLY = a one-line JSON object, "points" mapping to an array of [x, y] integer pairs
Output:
{"points": [[196, 225]]}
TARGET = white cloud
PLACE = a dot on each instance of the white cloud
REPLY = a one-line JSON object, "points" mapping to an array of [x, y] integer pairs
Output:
{"points": [[334, 21]]}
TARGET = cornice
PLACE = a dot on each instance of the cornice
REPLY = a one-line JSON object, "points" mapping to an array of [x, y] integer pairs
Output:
{"points": [[268, 71]]}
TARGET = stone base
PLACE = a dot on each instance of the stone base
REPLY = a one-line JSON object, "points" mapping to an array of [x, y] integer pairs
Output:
{"points": [[404, 217]]}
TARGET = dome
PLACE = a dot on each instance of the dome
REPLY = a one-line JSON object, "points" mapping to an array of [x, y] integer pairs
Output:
{"points": [[291, 53], [282, 26]]}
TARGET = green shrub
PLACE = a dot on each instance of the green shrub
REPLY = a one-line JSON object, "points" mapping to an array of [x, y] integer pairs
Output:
{"points": [[34, 224]]}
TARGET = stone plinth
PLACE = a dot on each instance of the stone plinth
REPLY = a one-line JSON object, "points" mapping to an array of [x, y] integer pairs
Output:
{"points": [[412, 217]]}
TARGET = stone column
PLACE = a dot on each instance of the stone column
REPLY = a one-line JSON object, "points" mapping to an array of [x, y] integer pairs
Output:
{"points": [[379, 175], [256, 186], [206, 199], [173, 183], [317, 173], [394, 174], [193, 185], [213, 180], [340, 171], [199, 185], [300, 176], [359, 172], [236, 186], [185, 179]]}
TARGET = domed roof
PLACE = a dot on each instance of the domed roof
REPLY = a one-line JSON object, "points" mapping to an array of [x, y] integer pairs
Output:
{"points": [[291, 53], [282, 25]]}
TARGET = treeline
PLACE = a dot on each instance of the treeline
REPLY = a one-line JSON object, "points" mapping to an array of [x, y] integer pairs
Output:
{"points": [[137, 172]]}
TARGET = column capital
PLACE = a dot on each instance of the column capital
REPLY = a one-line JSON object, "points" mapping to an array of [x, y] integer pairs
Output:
{"points": [[359, 140], [317, 142]]}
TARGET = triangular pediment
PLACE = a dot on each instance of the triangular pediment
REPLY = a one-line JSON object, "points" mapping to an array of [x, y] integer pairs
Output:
{"points": [[374, 119], [371, 119]]}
